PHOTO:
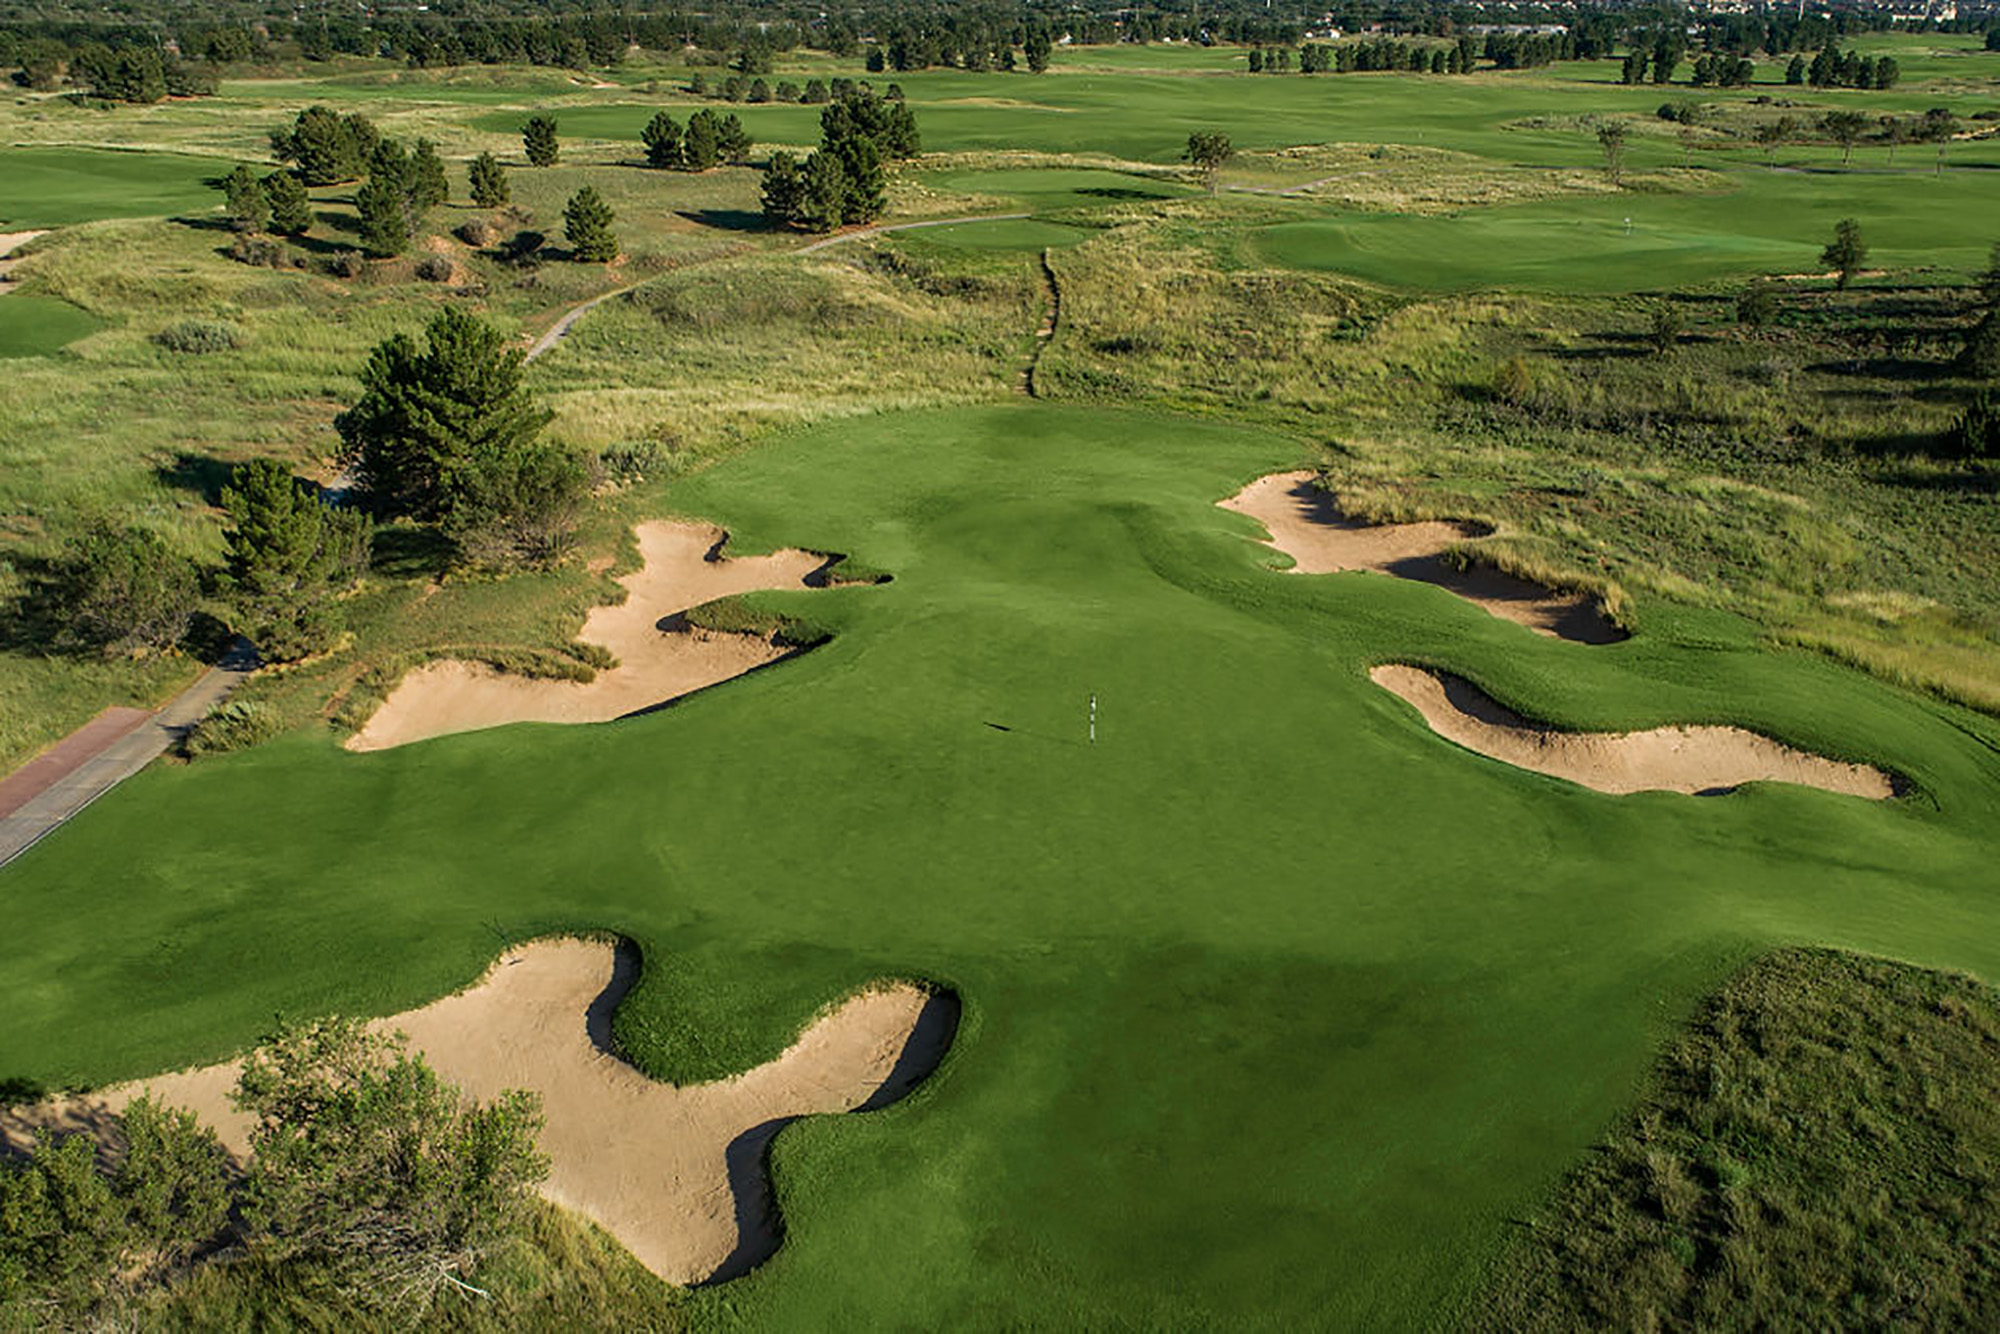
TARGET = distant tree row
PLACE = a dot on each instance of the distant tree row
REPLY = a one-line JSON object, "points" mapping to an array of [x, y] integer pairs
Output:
{"points": [[1843, 69], [706, 141]]}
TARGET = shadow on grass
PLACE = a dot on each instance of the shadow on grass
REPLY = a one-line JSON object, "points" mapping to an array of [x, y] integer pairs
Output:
{"points": [[728, 219], [199, 474], [407, 551]]}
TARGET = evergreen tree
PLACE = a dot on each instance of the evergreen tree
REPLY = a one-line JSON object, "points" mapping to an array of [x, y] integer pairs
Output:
{"points": [[385, 216], [288, 558], [822, 193], [120, 589], [1611, 138], [861, 166], [328, 148], [538, 138], [1846, 252], [1795, 73], [699, 148], [587, 223], [428, 412], [732, 141], [244, 200], [784, 190], [291, 206], [1977, 435], [428, 186], [489, 182], [662, 137], [1980, 357], [1208, 150], [1844, 128]]}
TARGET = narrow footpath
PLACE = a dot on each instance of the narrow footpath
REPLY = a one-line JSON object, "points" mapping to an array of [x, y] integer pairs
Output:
{"points": [[1051, 316]]}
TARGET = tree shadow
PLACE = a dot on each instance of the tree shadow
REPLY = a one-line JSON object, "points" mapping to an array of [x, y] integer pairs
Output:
{"points": [[203, 475], [409, 551], [728, 219]]}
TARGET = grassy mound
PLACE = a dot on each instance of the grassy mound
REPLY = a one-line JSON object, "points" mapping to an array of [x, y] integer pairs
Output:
{"points": [[1819, 1150]]}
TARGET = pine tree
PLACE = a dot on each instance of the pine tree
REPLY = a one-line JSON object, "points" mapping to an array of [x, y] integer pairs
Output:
{"points": [[587, 223], [538, 138], [245, 203], [385, 216], [1846, 252], [428, 186], [291, 206], [489, 182], [426, 413], [861, 164], [699, 148], [822, 193], [1036, 49], [662, 137], [732, 141], [784, 190], [288, 558]]}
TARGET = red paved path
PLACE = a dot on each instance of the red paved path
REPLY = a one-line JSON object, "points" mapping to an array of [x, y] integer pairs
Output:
{"points": [[66, 757]]}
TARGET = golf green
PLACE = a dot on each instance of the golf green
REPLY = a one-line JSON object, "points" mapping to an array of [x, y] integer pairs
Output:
{"points": [[35, 326], [1278, 1007]]}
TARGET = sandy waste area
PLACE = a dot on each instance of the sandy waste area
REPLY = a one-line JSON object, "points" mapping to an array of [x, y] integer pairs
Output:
{"points": [[1306, 524], [1703, 760], [9, 243], [660, 657], [676, 1174]]}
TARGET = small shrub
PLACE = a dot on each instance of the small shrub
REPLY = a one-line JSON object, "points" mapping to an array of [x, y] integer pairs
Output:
{"points": [[523, 249], [1514, 382], [1757, 307], [434, 269], [259, 251], [231, 725], [631, 462], [344, 264], [199, 337], [478, 232]]}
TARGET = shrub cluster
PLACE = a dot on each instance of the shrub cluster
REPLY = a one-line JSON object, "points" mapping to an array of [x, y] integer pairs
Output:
{"points": [[199, 337]]}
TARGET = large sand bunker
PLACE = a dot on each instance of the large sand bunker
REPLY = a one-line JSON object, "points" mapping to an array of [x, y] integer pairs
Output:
{"points": [[1703, 760], [676, 1174], [660, 656], [1306, 524]]}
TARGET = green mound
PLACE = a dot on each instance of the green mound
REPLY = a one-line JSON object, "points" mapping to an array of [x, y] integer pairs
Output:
{"points": [[35, 326], [1819, 1150], [54, 187], [1006, 234], [1277, 1006]]}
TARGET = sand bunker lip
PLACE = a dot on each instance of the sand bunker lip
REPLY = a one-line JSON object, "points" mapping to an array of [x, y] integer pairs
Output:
{"points": [[1306, 524], [660, 656], [677, 1174], [1702, 760]]}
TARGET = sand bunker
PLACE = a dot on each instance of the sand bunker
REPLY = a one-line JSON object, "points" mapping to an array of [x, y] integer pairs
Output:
{"points": [[676, 1174], [1703, 761], [9, 243], [1306, 525], [660, 656]]}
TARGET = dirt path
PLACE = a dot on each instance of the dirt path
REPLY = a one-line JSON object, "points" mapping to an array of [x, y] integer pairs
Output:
{"points": [[660, 657], [1051, 317], [677, 1174], [877, 229], [1700, 761], [1306, 524], [43, 794]]}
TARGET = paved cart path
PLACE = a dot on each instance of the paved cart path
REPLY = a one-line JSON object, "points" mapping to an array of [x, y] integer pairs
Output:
{"points": [[43, 793]]}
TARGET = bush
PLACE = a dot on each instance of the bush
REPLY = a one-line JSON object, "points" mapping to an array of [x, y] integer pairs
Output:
{"points": [[434, 269], [345, 264], [1757, 307], [631, 462], [478, 232], [1977, 434], [199, 337], [231, 725], [120, 590], [260, 251]]}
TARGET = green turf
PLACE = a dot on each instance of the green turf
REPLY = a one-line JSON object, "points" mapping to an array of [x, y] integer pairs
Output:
{"points": [[1278, 1006], [36, 326], [1766, 222], [1043, 189], [53, 187], [1005, 234]]}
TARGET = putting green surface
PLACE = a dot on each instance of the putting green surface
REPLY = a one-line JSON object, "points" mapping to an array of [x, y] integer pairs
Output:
{"points": [[34, 326], [54, 187], [1278, 1006]]}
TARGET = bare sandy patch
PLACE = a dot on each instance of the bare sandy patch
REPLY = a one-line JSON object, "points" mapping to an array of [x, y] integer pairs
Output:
{"points": [[1306, 524], [1701, 760], [677, 1174], [9, 243], [660, 656]]}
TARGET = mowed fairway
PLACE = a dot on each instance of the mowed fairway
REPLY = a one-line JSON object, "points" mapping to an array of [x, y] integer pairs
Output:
{"points": [[53, 187], [1278, 1007]]}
